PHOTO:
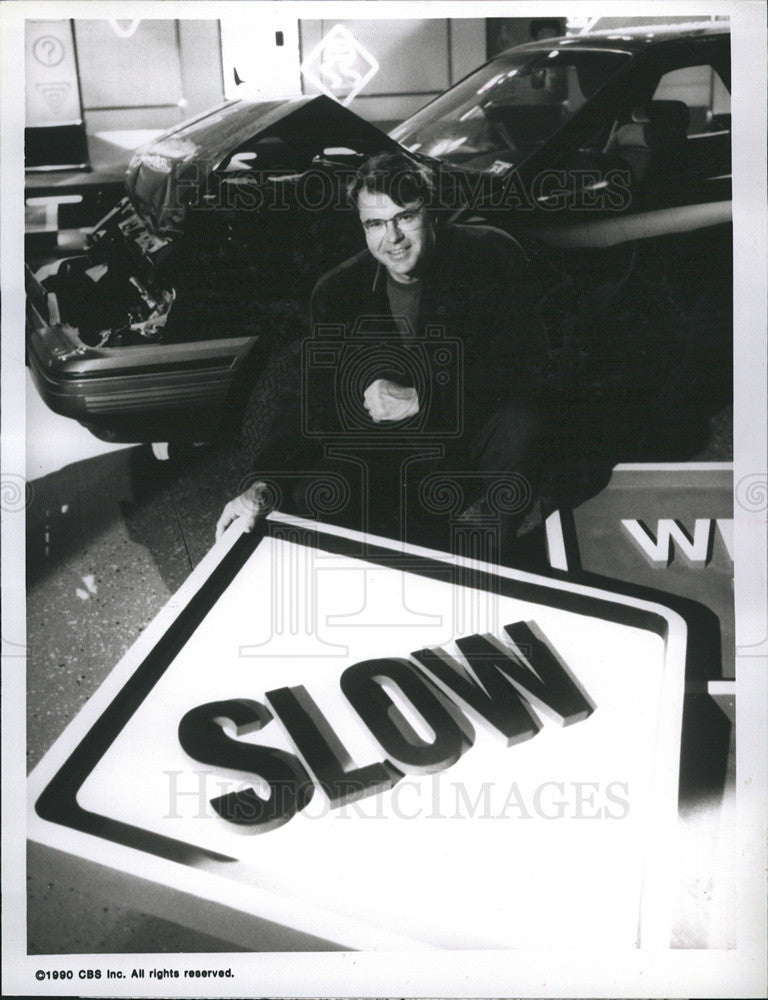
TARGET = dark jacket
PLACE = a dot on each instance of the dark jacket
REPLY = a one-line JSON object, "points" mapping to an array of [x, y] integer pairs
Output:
{"points": [[478, 341]]}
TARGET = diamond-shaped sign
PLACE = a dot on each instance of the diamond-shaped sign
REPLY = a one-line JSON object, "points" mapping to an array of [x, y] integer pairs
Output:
{"points": [[340, 66], [381, 701]]}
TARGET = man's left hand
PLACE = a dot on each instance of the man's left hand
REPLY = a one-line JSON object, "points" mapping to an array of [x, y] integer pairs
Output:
{"points": [[386, 400]]}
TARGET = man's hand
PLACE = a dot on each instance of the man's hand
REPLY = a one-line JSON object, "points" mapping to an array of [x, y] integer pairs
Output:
{"points": [[249, 506], [386, 400]]}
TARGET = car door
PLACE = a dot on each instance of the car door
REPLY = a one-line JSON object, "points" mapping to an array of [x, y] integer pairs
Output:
{"points": [[641, 291], [683, 204]]}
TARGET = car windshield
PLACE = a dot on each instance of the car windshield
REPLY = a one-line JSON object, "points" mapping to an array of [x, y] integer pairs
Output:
{"points": [[499, 115]]}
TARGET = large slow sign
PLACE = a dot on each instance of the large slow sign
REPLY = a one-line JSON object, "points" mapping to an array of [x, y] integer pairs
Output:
{"points": [[383, 747]]}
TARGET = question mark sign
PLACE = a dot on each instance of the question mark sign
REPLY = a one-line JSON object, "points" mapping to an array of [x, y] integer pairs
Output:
{"points": [[48, 50]]}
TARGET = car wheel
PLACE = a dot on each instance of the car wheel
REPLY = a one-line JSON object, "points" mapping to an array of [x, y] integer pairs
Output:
{"points": [[271, 393]]}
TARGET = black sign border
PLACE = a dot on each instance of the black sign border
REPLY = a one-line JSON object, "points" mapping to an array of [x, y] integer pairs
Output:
{"points": [[58, 804]]}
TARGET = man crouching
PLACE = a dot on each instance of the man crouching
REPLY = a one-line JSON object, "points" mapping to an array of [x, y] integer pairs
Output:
{"points": [[431, 355]]}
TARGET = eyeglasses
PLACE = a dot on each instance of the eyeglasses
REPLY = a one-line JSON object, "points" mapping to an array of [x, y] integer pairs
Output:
{"points": [[409, 219]]}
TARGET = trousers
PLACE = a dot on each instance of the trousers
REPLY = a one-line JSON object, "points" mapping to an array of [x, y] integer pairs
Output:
{"points": [[412, 486]]}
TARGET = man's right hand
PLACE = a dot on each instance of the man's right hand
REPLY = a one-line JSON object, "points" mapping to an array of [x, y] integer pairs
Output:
{"points": [[249, 506], [385, 400]]}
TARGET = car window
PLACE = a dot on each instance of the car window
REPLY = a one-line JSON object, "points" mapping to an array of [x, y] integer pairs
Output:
{"points": [[702, 91], [676, 137], [502, 113]]}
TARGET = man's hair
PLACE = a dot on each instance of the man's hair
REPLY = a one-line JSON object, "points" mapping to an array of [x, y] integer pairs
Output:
{"points": [[394, 174]]}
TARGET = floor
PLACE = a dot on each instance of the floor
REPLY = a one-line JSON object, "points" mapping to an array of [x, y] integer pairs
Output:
{"points": [[109, 539]]}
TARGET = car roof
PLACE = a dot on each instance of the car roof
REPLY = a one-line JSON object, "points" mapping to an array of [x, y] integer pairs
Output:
{"points": [[629, 39]]}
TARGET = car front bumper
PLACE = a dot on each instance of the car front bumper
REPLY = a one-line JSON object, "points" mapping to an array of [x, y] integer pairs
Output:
{"points": [[145, 387]]}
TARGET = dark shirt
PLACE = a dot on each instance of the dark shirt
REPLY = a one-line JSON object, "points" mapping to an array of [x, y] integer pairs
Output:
{"points": [[404, 300]]}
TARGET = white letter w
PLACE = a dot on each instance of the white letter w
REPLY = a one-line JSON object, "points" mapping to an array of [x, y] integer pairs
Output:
{"points": [[661, 551]]}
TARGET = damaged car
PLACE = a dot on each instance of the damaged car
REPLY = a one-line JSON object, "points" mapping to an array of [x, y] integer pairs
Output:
{"points": [[157, 330], [606, 155]]}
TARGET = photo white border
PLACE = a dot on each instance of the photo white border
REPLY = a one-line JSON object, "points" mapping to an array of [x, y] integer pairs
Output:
{"points": [[741, 972]]}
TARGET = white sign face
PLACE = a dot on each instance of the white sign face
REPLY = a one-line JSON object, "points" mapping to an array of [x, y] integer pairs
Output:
{"points": [[340, 66], [385, 749]]}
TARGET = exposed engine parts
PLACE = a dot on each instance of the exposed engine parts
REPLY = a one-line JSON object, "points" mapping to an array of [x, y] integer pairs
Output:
{"points": [[114, 295]]}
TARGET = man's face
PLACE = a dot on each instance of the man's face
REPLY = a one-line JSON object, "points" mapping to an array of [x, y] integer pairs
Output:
{"points": [[399, 236]]}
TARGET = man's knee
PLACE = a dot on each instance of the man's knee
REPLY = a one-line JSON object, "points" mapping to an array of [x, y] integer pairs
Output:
{"points": [[520, 417], [510, 435]]}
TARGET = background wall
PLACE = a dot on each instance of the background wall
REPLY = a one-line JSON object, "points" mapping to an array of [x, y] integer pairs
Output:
{"points": [[121, 82], [137, 78], [133, 79], [418, 60], [132, 86]]}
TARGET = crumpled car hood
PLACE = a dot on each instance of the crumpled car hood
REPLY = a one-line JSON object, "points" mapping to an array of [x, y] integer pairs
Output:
{"points": [[163, 177]]}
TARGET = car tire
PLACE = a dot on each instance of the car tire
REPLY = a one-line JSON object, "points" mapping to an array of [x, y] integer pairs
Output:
{"points": [[272, 392]]}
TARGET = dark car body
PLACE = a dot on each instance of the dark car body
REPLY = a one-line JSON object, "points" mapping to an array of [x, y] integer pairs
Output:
{"points": [[606, 155]]}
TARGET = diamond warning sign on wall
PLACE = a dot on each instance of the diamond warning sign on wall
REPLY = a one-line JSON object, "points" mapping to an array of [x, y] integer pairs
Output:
{"points": [[340, 65]]}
